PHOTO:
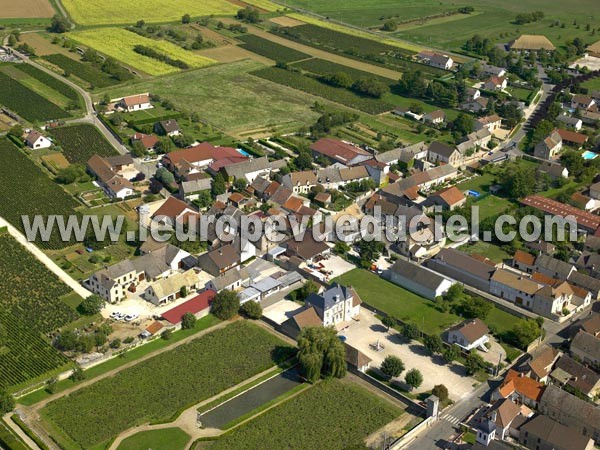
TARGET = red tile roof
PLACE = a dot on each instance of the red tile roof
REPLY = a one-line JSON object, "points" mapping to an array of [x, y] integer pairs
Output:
{"points": [[572, 136], [136, 99], [195, 305], [527, 387], [202, 152], [338, 150], [524, 258], [584, 219]]}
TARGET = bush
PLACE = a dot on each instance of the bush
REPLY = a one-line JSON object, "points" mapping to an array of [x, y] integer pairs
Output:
{"points": [[7, 402], [188, 321], [441, 392], [166, 335], [91, 305], [225, 304], [115, 343], [251, 310]]}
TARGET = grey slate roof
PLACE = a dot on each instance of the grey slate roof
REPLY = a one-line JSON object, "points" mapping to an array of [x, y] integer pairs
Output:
{"points": [[418, 274], [562, 268]]}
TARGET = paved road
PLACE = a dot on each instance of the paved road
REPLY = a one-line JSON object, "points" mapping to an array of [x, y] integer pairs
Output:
{"points": [[90, 116]]}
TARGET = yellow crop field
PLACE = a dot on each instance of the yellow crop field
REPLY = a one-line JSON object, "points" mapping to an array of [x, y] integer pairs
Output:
{"points": [[119, 43], [264, 4], [105, 12], [354, 32]]}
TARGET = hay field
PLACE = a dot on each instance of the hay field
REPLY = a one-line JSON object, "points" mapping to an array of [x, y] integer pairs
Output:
{"points": [[105, 12]]}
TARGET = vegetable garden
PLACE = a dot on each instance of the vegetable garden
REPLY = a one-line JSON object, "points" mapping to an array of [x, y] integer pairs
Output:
{"points": [[323, 67], [26, 102], [333, 415], [159, 388], [82, 70], [271, 50], [80, 142], [26, 190]]}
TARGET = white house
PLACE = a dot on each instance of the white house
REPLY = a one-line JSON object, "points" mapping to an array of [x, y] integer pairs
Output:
{"points": [[495, 83], [336, 305], [492, 123], [35, 140], [418, 279], [135, 102], [514, 287], [435, 60], [171, 288], [470, 334]]}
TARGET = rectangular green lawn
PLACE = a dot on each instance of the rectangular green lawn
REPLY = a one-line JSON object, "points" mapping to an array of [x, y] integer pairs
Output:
{"points": [[333, 415], [160, 387], [398, 302]]}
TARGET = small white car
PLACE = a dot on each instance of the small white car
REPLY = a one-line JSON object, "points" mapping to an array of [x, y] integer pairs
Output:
{"points": [[130, 317]]}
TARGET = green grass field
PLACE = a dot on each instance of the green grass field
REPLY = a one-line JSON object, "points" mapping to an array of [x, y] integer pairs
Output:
{"points": [[397, 301], [486, 249], [160, 387], [333, 415], [119, 44], [241, 102], [490, 19], [107, 12], [164, 439]]}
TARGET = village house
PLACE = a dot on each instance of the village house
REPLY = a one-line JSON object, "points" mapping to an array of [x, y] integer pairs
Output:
{"points": [[492, 71], [168, 127], [553, 169], [474, 142], [113, 184], [553, 302], [475, 105], [573, 412], [418, 279], [174, 211], [439, 153], [519, 388], [251, 168], [492, 123], [338, 304], [543, 433], [217, 262], [464, 268], [449, 199], [495, 83], [549, 147], [524, 261], [469, 335], [197, 158], [135, 102], [571, 122], [540, 365], [513, 287], [572, 138], [586, 347], [149, 141], [505, 415], [305, 317], [595, 191], [231, 280], [434, 59], [36, 140], [339, 151], [190, 190], [113, 282], [436, 117], [569, 372], [580, 101], [172, 288]]}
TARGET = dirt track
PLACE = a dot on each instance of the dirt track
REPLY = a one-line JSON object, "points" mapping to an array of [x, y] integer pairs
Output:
{"points": [[370, 68]]}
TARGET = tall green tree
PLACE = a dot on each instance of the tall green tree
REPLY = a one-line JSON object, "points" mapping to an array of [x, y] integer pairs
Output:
{"points": [[321, 353], [414, 378], [392, 366]]}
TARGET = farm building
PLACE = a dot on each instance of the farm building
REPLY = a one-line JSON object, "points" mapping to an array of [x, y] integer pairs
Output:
{"points": [[198, 306]]}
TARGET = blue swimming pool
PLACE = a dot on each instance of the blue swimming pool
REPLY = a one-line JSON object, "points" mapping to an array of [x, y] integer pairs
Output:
{"points": [[587, 155], [473, 193], [243, 152]]}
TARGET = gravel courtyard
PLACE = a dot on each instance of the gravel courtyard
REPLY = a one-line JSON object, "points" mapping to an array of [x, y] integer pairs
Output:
{"points": [[369, 329]]}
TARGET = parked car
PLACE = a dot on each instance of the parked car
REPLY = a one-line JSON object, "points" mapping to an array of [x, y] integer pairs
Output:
{"points": [[130, 317], [117, 315]]}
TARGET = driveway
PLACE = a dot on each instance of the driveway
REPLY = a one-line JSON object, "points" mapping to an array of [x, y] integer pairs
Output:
{"points": [[281, 311], [369, 330]]}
